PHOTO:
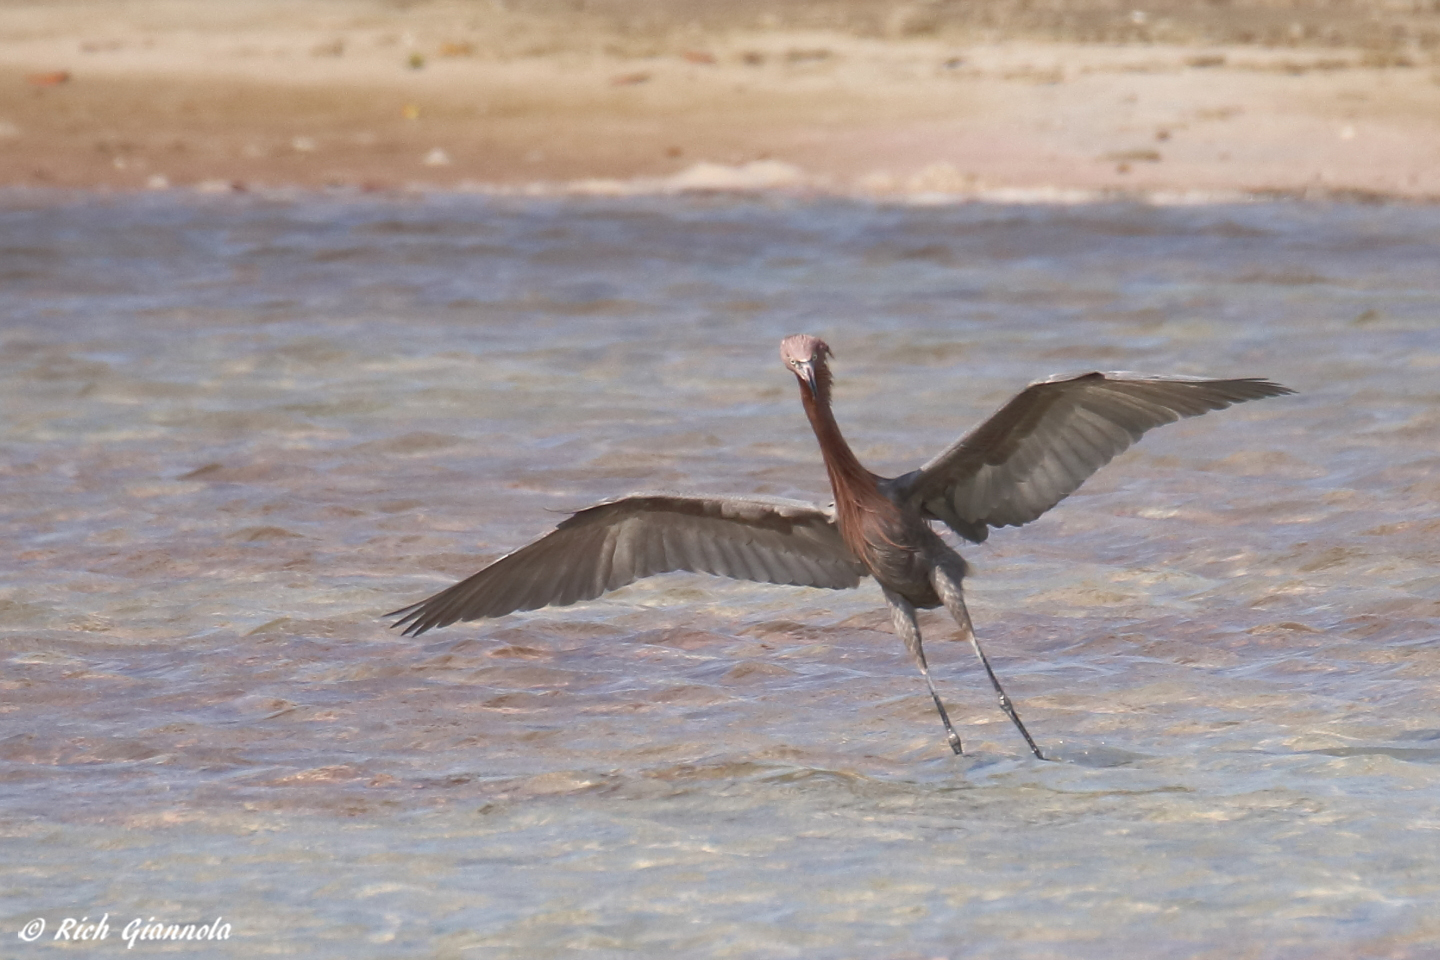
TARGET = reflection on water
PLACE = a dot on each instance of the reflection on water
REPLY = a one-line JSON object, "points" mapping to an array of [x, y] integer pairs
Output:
{"points": [[236, 431]]}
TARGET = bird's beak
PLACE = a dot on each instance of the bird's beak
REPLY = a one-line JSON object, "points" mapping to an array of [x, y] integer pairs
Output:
{"points": [[806, 373]]}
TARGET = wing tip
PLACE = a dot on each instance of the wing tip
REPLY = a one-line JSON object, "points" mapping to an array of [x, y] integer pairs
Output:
{"points": [[412, 618], [1276, 389]]}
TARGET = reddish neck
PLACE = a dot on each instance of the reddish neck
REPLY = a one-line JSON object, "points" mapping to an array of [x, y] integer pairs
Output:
{"points": [[854, 486]]}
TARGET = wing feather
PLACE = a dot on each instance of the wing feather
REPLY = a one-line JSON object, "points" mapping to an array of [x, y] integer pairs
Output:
{"points": [[1038, 448], [616, 542]]}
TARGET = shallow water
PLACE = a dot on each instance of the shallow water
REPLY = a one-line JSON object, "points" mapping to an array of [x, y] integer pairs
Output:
{"points": [[238, 430]]}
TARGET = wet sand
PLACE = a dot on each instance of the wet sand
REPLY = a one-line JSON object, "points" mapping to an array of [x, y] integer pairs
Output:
{"points": [[377, 96]]}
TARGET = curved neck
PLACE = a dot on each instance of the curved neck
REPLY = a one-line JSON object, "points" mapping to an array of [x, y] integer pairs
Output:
{"points": [[854, 487]]}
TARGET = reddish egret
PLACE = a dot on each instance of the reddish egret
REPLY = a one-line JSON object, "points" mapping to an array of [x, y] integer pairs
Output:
{"points": [[1035, 451]]}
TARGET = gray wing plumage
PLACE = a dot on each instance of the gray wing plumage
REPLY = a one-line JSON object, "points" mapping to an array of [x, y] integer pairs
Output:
{"points": [[1038, 448], [615, 542]]}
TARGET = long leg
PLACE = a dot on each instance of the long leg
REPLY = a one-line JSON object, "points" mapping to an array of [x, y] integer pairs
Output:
{"points": [[947, 584], [902, 613]]}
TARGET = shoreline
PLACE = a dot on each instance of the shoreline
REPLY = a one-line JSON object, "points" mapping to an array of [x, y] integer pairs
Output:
{"points": [[727, 182], [365, 97]]}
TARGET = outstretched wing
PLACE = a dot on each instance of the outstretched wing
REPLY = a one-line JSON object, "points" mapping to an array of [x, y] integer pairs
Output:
{"points": [[1038, 448], [616, 542]]}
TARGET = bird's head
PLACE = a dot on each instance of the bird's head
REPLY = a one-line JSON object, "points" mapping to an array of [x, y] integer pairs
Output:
{"points": [[804, 356]]}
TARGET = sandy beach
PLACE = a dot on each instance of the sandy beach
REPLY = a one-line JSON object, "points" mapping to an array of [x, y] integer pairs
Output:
{"points": [[247, 95]]}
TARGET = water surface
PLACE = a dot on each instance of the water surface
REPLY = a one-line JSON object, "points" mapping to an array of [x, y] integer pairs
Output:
{"points": [[238, 430]]}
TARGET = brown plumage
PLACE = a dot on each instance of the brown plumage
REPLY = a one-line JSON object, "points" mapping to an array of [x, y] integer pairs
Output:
{"points": [[1035, 451]]}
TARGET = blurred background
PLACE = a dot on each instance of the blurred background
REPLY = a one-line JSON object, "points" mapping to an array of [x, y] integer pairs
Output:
{"points": [[874, 97]]}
